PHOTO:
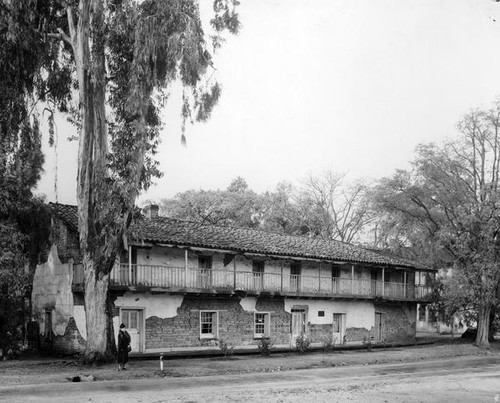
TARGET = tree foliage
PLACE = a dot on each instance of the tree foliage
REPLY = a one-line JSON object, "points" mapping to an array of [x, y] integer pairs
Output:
{"points": [[447, 208], [236, 206], [23, 225], [110, 64], [323, 207]]}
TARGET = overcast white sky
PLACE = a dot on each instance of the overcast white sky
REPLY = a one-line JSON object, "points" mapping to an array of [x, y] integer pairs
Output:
{"points": [[351, 85]]}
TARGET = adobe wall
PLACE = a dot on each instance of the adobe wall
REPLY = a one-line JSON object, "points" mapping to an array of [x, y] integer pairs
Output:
{"points": [[172, 322], [398, 320]]}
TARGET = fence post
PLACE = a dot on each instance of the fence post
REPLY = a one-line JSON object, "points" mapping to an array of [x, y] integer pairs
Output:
{"points": [[185, 267]]}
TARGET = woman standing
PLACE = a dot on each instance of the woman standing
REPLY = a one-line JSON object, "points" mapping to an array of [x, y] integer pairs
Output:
{"points": [[123, 347]]}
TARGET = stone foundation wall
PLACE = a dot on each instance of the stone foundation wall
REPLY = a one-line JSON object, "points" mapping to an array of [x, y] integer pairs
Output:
{"points": [[358, 334], [319, 333], [398, 320]]}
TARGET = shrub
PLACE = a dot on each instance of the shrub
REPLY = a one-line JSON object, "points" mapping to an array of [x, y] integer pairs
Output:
{"points": [[226, 349], [367, 342], [302, 343], [328, 344], [265, 346]]}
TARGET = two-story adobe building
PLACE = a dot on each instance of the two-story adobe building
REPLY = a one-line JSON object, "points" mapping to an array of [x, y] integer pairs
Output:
{"points": [[184, 286]]}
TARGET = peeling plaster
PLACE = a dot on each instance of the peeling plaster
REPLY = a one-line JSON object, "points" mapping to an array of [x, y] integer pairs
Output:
{"points": [[163, 306]]}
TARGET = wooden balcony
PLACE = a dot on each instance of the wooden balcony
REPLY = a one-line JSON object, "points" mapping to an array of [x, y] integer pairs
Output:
{"points": [[195, 280]]}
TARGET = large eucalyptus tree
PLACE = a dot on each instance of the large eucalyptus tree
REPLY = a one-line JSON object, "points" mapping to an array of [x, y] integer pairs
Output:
{"points": [[117, 59]]}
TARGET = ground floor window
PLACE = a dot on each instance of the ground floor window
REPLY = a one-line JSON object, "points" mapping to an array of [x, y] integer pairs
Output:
{"points": [[262, 324], [208, 324]]}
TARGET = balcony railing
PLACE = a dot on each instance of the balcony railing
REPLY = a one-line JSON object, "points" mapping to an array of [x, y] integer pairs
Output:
{"points": [[256, 282]]}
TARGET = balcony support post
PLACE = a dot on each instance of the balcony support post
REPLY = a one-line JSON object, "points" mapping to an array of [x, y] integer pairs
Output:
{"points": [[234, 272], [383, 281], [186, 257], [319, 277], [352, 280], [404, 283], [281, 266]]}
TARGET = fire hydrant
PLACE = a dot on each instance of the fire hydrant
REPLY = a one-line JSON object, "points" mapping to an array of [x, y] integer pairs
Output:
{"points": [[161, 362]]}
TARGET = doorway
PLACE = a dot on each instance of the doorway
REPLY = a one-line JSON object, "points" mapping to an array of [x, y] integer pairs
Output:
{"points": [[338, 331], [298, 323], [133, 319], [378, 327]]}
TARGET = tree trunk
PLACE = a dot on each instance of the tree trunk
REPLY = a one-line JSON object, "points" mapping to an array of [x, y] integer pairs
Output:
{"points": [[483, 326], [97, 248], [100, 343]]}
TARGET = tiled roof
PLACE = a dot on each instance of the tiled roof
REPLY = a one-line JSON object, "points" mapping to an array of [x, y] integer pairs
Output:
{"points": [[69, 214], [184, 233]]}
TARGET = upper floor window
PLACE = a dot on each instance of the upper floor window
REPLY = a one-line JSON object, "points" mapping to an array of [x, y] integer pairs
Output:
{"points": [[295, 270], [258, 274], [205, 272], [257, 267], [125, 256], [205, 262]]}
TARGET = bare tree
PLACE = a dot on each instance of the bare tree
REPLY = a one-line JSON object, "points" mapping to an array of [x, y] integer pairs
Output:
{"points": [[343, 210]]}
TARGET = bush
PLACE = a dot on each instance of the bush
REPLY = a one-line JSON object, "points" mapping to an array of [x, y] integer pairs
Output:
{"points": [[226, 349], [328, 344], [367, 342], [303, 344], [265, 346]]}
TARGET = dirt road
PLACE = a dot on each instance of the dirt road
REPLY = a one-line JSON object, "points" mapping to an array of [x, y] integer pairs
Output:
{"points": [[462, 379]]}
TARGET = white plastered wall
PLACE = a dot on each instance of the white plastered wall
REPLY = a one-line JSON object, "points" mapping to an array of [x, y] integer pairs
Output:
{"points": [[358, 313]]}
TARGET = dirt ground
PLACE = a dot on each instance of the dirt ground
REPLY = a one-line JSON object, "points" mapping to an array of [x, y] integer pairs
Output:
{"points": [[38, 370]]}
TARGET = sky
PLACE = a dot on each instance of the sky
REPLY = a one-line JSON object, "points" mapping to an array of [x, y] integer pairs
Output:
{"points": [[348, 85]]}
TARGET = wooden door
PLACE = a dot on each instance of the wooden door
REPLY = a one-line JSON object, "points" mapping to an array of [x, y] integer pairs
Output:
{"points": [[373, 283], [132, 319], [378, 327], [338, 325], [258, 275], [298, 324], [204, 271], [295, 270]]}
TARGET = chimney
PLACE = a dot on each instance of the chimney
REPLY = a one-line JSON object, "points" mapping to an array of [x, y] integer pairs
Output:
{"points": [[151, 211]]}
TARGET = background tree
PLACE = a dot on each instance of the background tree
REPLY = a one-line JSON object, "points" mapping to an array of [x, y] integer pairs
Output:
{"points": [[23, 224], [236, 206], [448, 206], [121, 56], [323, 207], [339, 211]]}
